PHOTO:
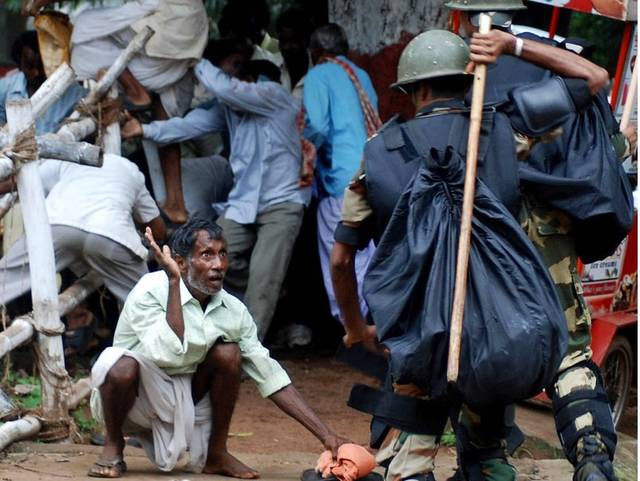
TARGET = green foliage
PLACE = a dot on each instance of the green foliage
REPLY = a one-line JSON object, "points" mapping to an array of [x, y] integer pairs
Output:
{"points": [[604, 32], [448, 439], [84, 421], [32, 400]]}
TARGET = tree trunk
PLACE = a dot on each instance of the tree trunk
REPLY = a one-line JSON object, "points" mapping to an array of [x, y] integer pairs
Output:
{"points": [[376, 24], [378, 31]]}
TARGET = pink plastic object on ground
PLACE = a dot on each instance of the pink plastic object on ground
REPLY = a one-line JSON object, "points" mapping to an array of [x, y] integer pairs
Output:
{"points": [[353, 462]]}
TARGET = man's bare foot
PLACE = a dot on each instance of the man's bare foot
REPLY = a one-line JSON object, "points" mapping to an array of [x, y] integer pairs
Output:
{"points": [[227, 465]]}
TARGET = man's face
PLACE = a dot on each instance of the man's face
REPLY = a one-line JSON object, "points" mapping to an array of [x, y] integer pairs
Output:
{"points": [[31, 66], [233, 65], [292, 46], [204, 270]]}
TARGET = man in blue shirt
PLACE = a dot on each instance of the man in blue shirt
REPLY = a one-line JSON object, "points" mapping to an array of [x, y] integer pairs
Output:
{"points": [[264, 210], [336, 124], [28, 78]]}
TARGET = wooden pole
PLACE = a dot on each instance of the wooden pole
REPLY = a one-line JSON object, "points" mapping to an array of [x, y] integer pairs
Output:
{"points": [[80, 390], [14, 431], [111, 141], [75, 131], [52, 89], [111, 75], [630, 101], [54, 147], [464, 243], [19, 332], [49, 93], [42, 269], [21, 328]]}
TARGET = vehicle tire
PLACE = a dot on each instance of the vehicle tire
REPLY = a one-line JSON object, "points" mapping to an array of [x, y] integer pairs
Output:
{"points": [[617, 372]]}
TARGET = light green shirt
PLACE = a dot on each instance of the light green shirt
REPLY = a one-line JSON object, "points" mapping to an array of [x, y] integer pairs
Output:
{"points": [[143, 329]]}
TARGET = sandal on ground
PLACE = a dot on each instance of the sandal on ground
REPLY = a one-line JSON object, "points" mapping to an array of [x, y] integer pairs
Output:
{"points": [[313, 475], [108, 469]]}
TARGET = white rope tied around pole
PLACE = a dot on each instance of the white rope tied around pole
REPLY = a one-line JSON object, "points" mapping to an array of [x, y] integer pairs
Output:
{"points": [[23, 149]]}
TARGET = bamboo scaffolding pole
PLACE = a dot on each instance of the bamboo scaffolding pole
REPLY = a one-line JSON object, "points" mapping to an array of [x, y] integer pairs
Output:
{"points": [[80, 390], [50, 91], [18, 333], [115, 70], [42, 269], [13, 431]]}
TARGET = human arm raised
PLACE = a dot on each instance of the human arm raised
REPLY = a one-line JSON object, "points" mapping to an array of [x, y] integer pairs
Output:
{"points": [[485, 48], [163, 256], [262, 98]]}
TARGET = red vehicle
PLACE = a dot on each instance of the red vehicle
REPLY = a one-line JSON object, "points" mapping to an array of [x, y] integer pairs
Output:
{"points": [[610, 287]]}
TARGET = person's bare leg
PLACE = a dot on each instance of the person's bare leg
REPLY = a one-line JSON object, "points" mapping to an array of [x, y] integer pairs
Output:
{"points": [[118, 393], [133, 89], [219, 374], [170, 161]]}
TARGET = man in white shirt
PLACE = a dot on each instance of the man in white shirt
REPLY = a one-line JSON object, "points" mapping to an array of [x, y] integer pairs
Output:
{"points": [[173, 374], [92, 212]]}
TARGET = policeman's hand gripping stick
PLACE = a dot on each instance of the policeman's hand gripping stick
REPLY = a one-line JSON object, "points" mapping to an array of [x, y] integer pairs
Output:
{"points": [[462, 261]]}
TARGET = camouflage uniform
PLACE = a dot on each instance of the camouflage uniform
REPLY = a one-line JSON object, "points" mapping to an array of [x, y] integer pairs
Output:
{"points": [[581, 410]]}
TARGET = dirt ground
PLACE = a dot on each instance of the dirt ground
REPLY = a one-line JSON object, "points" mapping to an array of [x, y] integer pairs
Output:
{"points": [[268, 440]]}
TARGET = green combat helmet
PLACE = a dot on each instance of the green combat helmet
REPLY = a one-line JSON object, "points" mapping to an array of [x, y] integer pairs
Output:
{"points": [[485, 5], [436, 53]]}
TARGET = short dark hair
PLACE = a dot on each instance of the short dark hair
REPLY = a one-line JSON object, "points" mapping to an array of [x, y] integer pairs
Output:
{"points": [[25, 39], [184, 238], [255, 68], [331, 38], [244, 18], [217, 50], [449, 86], [296, 19]]}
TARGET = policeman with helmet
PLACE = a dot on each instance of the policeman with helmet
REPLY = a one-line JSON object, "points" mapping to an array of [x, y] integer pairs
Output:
{"points": [[581, 409]]}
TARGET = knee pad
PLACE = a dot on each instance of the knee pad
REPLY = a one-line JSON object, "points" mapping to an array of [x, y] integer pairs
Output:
{"points": [[582, 413]]}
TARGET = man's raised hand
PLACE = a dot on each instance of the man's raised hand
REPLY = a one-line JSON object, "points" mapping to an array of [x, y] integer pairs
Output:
{"points": [[163, 256], [485, 48]]}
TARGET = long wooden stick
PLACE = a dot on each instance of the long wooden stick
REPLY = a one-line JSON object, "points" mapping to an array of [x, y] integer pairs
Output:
{"points": [[464, 243], [630, 101]]}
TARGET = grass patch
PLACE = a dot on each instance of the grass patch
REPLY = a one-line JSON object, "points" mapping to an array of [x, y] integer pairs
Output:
{"points": [[84, 421]]}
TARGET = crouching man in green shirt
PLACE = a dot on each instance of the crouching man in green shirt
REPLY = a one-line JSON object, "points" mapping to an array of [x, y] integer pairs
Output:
{"points": [[173, 374]]}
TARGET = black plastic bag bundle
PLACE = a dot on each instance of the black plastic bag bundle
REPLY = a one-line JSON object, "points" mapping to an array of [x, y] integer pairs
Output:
{"points": [[514, 334], [580, 174]]}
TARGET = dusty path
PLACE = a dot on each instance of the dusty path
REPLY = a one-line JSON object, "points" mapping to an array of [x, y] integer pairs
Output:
{"points": [[266, 439]]}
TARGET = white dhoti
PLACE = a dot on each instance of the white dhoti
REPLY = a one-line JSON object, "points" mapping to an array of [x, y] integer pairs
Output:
{"points": [[181, 34], [163, 416]]}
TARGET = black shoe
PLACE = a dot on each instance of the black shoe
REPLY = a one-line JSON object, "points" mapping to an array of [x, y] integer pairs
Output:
{"points": [[589, 471]]}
